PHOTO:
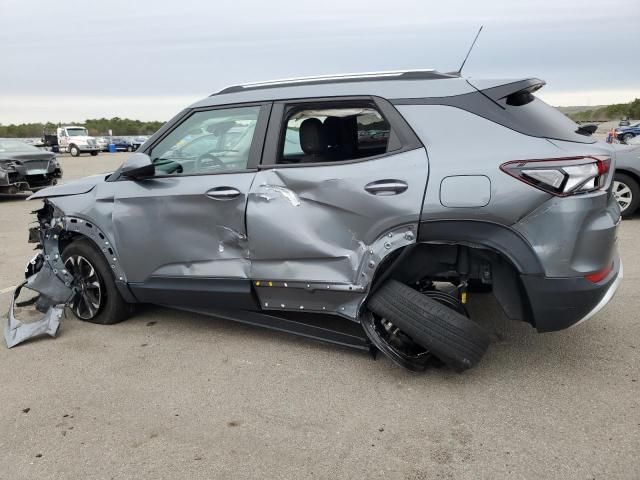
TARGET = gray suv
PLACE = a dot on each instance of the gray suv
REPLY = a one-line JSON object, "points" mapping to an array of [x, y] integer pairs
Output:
{"points": [[363, 210]]}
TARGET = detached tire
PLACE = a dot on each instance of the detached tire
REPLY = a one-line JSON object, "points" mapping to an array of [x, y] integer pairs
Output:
{"points": [[102, 303], [456, 340]]}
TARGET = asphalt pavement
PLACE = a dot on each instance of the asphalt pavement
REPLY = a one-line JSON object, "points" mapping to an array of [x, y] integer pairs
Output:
{"points": [[169, 394]]}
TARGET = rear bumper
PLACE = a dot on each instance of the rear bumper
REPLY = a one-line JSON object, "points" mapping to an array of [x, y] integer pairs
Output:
{"points": [[559, 303]]}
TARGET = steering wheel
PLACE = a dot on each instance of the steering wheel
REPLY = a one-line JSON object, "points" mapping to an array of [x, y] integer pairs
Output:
{"points": [[211, 161]]}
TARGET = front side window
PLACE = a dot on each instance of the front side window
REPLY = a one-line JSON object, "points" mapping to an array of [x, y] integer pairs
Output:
{"points": [[207, 142], [319, 135]]}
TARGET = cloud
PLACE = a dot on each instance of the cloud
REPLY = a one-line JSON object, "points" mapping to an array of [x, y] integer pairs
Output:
{"points": [[152, 49]]}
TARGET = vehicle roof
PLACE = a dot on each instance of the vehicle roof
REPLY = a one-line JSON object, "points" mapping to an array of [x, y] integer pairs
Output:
{"points": [[394, 84]]}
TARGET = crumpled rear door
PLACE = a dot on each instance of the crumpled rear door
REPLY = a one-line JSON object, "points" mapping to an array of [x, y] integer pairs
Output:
{"points": [[317, 223]]}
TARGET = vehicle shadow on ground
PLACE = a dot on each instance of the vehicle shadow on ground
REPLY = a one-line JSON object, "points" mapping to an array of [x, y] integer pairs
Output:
{"points": [[18, 197], [510, 340]]}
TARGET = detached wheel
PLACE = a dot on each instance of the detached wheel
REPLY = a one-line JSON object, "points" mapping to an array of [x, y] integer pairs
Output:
{"points": [[98, 299], [74, 151], [456, 340], [627, 193]]}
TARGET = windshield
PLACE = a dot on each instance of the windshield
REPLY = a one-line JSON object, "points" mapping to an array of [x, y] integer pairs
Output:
{"points": [[16, 146], [77, 132]]}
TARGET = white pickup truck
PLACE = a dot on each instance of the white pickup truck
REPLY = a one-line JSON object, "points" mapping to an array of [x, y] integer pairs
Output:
{"points": [[72, 139]]}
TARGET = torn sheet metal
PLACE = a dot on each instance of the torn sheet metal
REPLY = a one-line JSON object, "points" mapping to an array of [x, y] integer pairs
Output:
{"points": [[17, 331], [46, 275]]}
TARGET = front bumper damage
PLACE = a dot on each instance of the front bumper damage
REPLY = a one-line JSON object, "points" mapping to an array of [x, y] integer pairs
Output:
{"points": [[48, 277], [22, 179]]}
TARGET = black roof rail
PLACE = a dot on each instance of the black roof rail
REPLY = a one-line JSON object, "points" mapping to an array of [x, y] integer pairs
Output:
{"points": [[339, 78]]}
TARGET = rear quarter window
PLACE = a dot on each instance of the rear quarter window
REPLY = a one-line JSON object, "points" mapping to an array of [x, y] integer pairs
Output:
{"points": [[539, 119]]}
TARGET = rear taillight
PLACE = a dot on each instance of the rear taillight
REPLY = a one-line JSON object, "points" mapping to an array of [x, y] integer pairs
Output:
{"points": [[600, 275], [562, 176]]}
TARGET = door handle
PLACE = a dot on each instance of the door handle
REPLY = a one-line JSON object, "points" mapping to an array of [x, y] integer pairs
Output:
{"points": [[223, 193], [386, 187]]}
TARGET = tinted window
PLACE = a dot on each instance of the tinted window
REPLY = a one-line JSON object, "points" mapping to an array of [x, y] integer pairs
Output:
{"points": [[542, 120], [207, 142], [333, 134]]}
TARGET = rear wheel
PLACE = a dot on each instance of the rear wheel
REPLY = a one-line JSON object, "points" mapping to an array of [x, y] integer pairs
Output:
{"points": [[129, 148], [97, 299], [627, 193], [93, 154], [449, 335]]}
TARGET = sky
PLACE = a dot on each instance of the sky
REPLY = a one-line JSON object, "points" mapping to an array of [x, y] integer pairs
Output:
{"points": [[148, 59]]}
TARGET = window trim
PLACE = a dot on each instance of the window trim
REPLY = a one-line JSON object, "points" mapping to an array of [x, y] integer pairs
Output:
{"points": [[257, 142], [278, 122]]}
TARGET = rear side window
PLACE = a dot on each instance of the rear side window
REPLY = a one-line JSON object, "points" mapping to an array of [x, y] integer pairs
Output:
{"points": [[333, 134]]}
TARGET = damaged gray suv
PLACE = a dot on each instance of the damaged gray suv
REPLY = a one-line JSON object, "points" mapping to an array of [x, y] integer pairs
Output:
{"points": [[358, 209]]}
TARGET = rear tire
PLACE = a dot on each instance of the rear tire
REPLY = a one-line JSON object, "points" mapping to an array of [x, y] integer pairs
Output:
{"points": [[627, 193], [93, 154], [456, 340], [111, 306]]}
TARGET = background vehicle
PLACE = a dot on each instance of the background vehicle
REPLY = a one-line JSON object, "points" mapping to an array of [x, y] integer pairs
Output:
{"points": [[626, 182], [227, 211], [123, 144], [624, 122], [25, 167], [73, 139], [624, 134], [138, 141], [103, 143]]}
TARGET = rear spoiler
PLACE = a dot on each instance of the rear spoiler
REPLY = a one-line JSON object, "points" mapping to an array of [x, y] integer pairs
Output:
{"points": [[514, 93]]}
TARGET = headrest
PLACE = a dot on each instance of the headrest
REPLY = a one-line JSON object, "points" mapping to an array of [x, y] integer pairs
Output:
{"points": [[332, 130], [312, 137]]}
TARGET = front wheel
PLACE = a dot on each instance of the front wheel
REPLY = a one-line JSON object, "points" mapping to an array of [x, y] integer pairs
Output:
{"points": [[74, 151], [627, 193], [97, 299], [93, 154], [626, 137], [129, 148]]}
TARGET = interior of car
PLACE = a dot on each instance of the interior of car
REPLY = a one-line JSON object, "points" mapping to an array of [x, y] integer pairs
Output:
{"points": [[333, 135]]}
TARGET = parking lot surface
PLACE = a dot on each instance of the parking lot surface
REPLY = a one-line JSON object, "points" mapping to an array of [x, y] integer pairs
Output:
{"points": [[169, 394]]}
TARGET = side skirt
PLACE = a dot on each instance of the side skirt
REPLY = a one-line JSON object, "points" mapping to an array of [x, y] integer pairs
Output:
{"points": [[356, 338]]}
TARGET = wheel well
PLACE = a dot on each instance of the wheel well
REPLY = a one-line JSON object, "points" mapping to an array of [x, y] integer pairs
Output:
{"points": [[630, 174], [457, 263]]}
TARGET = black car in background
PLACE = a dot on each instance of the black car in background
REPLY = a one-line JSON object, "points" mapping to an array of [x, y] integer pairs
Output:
{"points": [[25, 167]]}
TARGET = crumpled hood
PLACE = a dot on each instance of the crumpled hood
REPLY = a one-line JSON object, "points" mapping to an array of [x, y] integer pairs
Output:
{"points": [[75, 187]]}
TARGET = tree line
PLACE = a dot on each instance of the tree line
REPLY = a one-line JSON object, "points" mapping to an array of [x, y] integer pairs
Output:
{"points": [[609, 112], [96, 126]]}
